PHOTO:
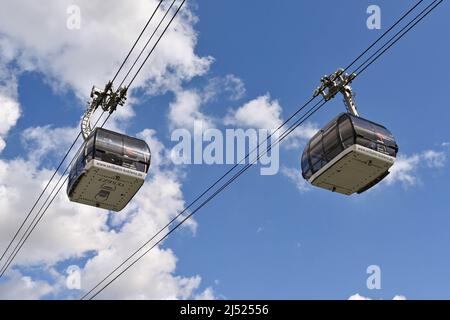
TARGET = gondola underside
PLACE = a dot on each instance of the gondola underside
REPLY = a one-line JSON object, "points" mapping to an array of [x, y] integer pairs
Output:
{"points": [[106, 186], [356, 169]]}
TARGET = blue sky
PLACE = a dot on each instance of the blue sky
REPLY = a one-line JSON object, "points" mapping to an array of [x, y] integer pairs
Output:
{"points": [[400, 229], [265, 237]]}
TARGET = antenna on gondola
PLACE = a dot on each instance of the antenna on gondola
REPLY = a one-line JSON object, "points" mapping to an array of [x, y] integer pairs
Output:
{"points": [[339, 81]]}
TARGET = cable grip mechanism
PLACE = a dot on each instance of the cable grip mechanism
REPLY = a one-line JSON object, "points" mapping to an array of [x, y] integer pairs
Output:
{"points": [[338, 81], [108, 99]]}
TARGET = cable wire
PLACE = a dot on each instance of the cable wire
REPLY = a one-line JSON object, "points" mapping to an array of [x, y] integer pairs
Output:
{"points": [[137, 40], [39, 214], [211, 197], [380, 51], [73, 144], [39, 198], [383, 35], [147, 43], [285, 134], [30, 229], [157, 41], [200, 196]]}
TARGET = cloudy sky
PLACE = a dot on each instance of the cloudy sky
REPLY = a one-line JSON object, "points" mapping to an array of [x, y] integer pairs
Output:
{"points": [[229, 64]]}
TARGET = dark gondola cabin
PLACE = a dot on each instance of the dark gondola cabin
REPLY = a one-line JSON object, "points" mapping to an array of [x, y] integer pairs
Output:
{"points": [[350, 154], [108, 170]]}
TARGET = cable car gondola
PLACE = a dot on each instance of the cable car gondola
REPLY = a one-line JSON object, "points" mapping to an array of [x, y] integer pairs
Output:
{"points": [[110, 167], [350, 154], [108, 170]]}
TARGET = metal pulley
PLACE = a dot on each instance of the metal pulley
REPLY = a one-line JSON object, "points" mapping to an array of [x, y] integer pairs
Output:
{"points": [[335, 83]]}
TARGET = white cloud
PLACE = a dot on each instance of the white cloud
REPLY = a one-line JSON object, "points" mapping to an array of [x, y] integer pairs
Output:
{"points": [[67, 230], [300, 136], [70, 230], [208, 294], [357, 296], [233, 86], [80, 58], [159, 154], [185, 111], [2, 145], [21, 287], [306, 130], [434, 159], [265, 113], [75, 60], [406, 168], [295, 176], [188, 104], [261, 112], [46, 140], [9, 114], [151, 278]]}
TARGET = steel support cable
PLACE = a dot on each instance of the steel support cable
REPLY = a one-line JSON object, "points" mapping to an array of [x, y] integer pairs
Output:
{"points": [[246, 157], [30, 229], [74, 142], [137, 40], [399, 35], [40, 197], [313, 110], [185, 209], [293, 127], [147, 43], [34, 223], [383, 35], [157, 41]]}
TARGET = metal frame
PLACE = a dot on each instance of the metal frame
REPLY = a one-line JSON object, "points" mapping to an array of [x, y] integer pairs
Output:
{"points": [[338, 81], [108, 99]]}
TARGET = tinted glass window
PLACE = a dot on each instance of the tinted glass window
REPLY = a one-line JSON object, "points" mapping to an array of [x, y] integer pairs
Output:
{"points": [[122, 150], [316, 153], [109, 142], [348, 142], [136, 150], [331, 143], [391, 151], [109, 157], [334, 152], [379, 136], [89, 147], [305, 161], [366, 143], [364, 128], [78, 159], [346, 129], [316, 140], [77, 167], [384, 134]]}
